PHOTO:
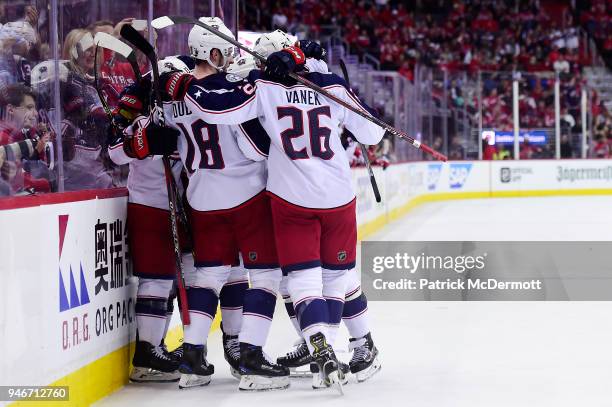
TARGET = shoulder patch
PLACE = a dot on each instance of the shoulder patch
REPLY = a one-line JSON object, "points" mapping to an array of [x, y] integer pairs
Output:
{"points": [[230, 77]]}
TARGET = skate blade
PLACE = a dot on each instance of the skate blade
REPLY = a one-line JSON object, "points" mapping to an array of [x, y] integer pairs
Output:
{"points": [[334, 380], [369, 372], [320, 383], [193, 380], [263, 383], [235, 373], [301, 372], [148, 375]]}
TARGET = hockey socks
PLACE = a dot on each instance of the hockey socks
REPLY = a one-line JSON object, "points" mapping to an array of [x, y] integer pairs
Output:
{"points": [[202, 309], [257, 316]]}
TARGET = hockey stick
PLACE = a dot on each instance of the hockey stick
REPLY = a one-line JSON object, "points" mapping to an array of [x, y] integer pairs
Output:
{"points": [[167, 21], [116, 45], [364, 151], [111, 43], [129, 33]]}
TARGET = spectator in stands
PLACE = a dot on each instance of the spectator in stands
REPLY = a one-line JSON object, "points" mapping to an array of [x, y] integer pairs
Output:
{"points": [[502, 153], [87, 166], [19, 47], [105, 26], [21, 122], [601, 148], [566, 147], [456, 150]]}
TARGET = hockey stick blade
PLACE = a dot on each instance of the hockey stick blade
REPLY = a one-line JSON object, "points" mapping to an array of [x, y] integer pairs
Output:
{"points": [[167, 21], [108, 41], [116, 45], [364, 150], [129, 33]]}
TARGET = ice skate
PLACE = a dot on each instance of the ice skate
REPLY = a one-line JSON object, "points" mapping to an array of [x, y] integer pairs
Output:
{"points": [[327, 363], [258, 373], [318, 381], [194, 368], [364, 363], [297, 360], [152, 364], [231, 353]]}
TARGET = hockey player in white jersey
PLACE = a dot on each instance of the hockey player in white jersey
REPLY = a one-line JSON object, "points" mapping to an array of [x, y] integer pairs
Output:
{"points": [[364, 362], [150, 240], [152, 253], [309, 180], [230, 213]]}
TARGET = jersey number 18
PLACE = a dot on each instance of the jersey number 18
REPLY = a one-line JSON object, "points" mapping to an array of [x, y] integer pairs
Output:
{"points": [[210, 151]]}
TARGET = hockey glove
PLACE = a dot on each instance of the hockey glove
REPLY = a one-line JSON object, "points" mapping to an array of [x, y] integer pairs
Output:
{"points": [[135, 97], [281, 63], [174, 85], [151, 140], [312, 49]]}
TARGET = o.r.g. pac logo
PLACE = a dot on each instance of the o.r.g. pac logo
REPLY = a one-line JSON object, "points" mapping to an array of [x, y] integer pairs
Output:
{"points": [[77, 293], [458, 175]]}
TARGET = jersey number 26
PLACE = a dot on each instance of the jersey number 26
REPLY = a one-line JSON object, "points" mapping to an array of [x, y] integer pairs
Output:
{"points": [[319, 136]]}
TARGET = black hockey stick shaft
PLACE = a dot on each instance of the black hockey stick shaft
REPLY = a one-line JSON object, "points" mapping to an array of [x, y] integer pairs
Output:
{"points": [[364, 150], [129, 33], [166, 21]]}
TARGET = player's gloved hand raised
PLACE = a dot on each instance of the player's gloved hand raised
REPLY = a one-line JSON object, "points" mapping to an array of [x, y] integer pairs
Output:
{"points": [[174, 85], [312, 49], [151, 140], [281, 63], [135, 97]]}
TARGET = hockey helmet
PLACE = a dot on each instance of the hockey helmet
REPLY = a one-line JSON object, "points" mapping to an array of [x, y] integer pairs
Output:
{"points": [[201, 42]]}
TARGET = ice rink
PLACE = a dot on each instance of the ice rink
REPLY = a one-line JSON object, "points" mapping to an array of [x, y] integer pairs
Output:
{"points": [[456, 354]]}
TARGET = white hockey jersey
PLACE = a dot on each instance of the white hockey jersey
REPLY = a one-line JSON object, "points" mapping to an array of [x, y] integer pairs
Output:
{"points": [[146, 180], [220, 164], [307, 165]]}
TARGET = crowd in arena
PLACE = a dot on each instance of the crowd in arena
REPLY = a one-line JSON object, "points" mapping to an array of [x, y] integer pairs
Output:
{"points": [[490, 37], [27, 99]]}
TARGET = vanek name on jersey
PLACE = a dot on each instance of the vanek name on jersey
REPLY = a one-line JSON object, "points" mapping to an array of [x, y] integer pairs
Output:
{"points": [[303, 96]]}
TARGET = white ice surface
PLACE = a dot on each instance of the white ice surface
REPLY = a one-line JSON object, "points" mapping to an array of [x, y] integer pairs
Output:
{"points": [[456, 354]]}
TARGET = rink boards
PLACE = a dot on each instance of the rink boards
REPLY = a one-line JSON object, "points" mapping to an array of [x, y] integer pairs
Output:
{"points": [[68, 307]]}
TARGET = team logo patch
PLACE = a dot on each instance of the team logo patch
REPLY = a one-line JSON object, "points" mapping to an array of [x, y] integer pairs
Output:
{"points": [[230, 77], [252, 256], [341, 255]]}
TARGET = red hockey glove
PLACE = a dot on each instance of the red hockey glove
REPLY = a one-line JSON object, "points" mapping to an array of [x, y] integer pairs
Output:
{"points": [[151, 140]]}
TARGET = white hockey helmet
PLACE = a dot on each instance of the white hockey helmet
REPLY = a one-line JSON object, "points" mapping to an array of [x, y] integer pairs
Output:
{"points": [[169, 64], [201, 42], [43, 76], [242, 66], [44, 73], [272, 42]]}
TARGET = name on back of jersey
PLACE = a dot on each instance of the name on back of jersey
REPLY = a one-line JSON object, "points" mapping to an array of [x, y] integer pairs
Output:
{"points": [[303, 96], [180, 109]]}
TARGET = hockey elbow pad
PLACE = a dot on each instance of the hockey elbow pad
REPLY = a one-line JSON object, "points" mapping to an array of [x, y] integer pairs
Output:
{"points": [[174, 85]]}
